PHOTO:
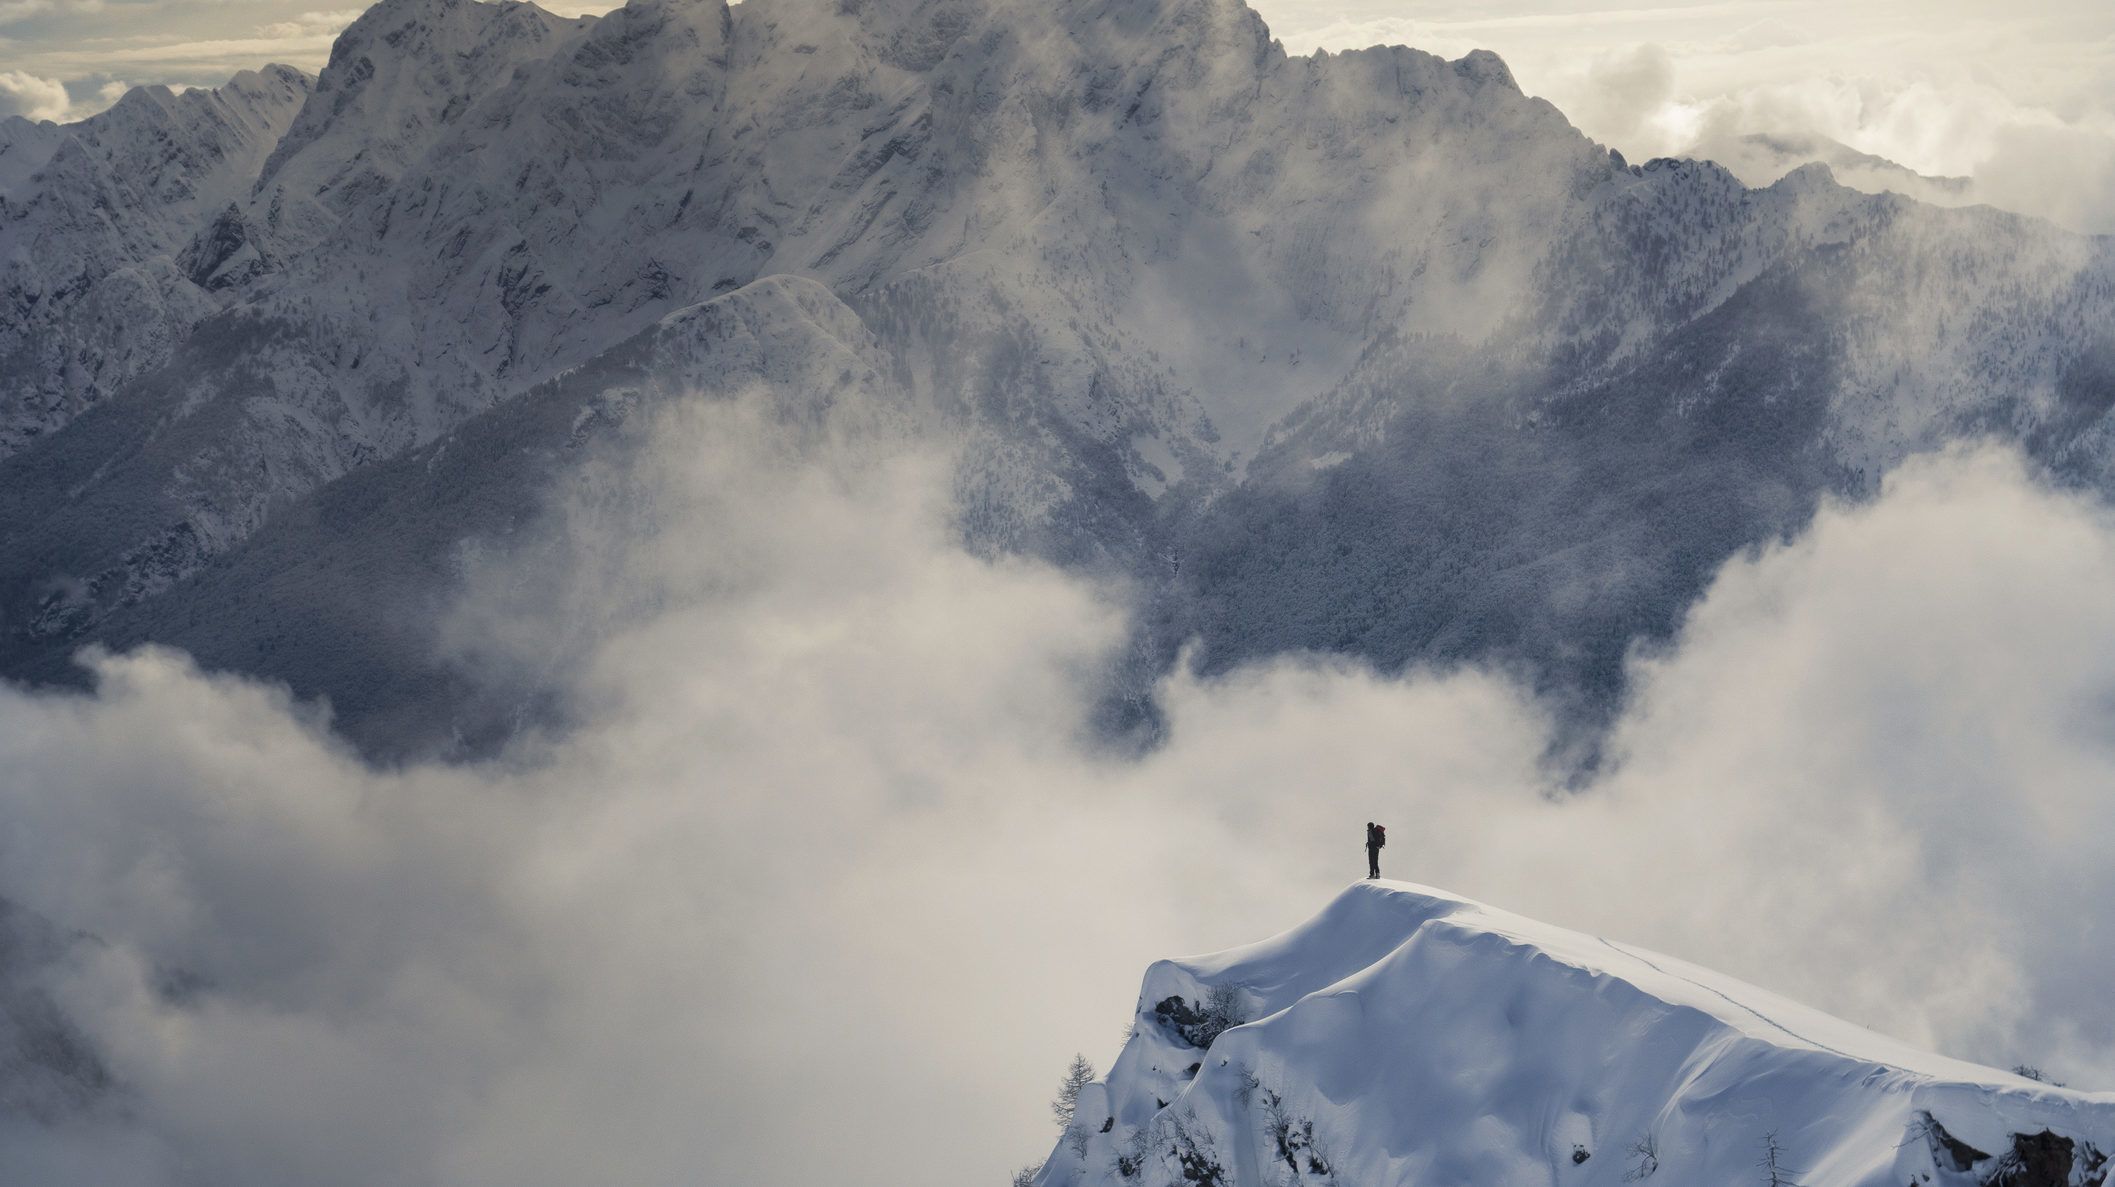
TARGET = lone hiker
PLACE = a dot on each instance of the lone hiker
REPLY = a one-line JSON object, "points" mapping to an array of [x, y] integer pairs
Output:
{"points": [[1376, 836]]}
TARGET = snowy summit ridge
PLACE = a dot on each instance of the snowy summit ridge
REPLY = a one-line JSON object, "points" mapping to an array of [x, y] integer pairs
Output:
{"points": [[1407, 1036]]}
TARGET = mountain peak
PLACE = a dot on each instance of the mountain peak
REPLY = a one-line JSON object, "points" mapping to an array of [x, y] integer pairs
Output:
{"points": [[414, 27], [273, 74], [399, 77], [1484, 67], [1812, 176], [1408, 1031]]}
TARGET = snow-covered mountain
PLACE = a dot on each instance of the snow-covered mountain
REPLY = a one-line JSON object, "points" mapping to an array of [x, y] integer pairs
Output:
{"points": [[100, 276], [24, 147], [398, 81], [1408, 1036], [1345, 352], [1761, 158]]}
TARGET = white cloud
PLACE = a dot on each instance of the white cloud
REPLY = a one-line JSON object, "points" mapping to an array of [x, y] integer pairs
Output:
{"points": [[223, 56], [1874, 773], [573, 8], [1628, 94], [327, 23], [720, 935], [827, 886], [32, 97], [2017, 98], [48, 99], [2063, 173]]}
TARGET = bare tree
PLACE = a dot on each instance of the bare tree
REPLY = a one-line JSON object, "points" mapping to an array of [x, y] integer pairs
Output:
{"points": [[1772, 1164], [1078, 1076], [1025, 1177], [1130, 1162], [1647, 1151], [1076, 1137]]}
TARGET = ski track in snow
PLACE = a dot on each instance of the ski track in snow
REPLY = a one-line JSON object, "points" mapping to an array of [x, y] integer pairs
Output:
{"points": [[1729, 1000]]}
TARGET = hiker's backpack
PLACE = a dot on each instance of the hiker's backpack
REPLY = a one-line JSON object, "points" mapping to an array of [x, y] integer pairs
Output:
{"points": [[1380, 835]]}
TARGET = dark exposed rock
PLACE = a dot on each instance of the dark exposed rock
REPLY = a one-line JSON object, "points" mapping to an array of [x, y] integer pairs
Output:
{"points": [[2036, 1160], [1950, 1152], [1199, 1025]]}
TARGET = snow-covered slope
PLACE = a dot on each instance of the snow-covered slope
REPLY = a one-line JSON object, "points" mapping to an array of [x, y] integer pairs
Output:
{"points": [[1405, 1037], [24, 147]]}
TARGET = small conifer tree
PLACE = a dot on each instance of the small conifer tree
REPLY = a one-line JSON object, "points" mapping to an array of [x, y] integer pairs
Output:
{"points": [[1078, 1076]]}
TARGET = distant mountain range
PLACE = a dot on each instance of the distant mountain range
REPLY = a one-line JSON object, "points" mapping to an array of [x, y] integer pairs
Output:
{"points": [[1365, 353], [1762, 158]]}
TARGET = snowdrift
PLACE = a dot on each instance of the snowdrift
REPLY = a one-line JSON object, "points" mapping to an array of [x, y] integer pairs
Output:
{"points": [[1408, 1037]]}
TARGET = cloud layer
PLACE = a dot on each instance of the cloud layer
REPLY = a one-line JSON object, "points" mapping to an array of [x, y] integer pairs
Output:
{"points": [[2016, 96], [829, 883]]}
